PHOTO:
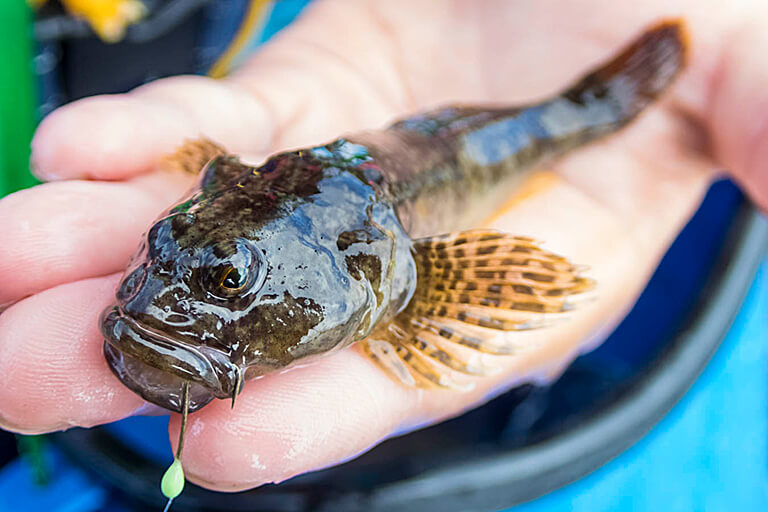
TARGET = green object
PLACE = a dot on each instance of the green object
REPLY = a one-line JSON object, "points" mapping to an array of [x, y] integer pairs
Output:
{"points": [[173, 480], [17, 96], [32, 448]]}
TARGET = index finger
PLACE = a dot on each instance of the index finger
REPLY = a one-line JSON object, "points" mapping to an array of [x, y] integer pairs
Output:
{"points": [[117, 136]]}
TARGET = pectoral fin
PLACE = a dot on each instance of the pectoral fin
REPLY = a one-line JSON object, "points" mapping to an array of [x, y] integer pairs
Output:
{"points": [[474, 288]]}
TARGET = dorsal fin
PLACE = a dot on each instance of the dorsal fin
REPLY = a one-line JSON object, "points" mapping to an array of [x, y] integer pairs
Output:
{"points": [[192, 156]]}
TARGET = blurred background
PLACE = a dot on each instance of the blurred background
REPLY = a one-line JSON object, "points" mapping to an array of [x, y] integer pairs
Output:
{"points": [[671, 413]]}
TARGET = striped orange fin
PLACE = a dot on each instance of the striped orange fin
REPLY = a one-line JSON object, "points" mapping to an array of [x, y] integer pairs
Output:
{"points": [[474, 289]]}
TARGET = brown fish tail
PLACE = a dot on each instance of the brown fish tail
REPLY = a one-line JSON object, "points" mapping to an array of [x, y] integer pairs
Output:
{"points": [[639, 74], [445, 160]]}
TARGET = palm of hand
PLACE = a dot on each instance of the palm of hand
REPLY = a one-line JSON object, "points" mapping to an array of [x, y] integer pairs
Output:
{"points": [[349, 66]]}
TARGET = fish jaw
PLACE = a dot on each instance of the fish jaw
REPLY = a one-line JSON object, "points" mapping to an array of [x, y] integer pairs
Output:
{"points": [[155, 366]]}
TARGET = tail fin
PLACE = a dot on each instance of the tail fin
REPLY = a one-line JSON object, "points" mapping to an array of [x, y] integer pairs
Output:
{"points": [[495, 143], [639, 74], [607, 98]]}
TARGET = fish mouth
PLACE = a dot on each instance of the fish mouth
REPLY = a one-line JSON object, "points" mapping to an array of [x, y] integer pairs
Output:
{"points": [[156, 366]]}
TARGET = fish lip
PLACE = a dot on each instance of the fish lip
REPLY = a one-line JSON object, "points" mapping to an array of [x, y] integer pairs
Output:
{"points": [[208, 367]]}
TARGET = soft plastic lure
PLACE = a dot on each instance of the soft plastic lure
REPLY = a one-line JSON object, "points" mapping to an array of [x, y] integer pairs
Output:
{"points": [[261, 268]]}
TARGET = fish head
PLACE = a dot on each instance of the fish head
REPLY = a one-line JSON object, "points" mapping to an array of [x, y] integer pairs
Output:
{"points": [[248, 275]]}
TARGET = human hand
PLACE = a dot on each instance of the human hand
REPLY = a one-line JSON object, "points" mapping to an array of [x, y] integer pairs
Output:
{"points": [[349, 65]]}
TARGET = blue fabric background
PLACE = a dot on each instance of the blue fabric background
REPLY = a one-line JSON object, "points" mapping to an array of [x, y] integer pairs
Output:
{"points": [[710, 452]]}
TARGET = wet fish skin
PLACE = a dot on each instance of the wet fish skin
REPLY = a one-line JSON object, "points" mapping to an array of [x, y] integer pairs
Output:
{"points": [[261, 268]]}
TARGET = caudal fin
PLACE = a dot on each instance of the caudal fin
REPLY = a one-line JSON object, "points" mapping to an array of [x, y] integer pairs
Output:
{"points": [[639, 73]]}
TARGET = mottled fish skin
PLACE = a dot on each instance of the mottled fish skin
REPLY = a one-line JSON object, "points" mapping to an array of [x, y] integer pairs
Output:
{"points": [[451, 168], [328, 259], [260, 268]]}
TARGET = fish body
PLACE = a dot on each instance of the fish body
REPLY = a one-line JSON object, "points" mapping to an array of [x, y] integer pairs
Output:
{"points": [[365, 239]]}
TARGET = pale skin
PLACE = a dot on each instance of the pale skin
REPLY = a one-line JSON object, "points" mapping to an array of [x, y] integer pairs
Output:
{"points": [[344, 66]]}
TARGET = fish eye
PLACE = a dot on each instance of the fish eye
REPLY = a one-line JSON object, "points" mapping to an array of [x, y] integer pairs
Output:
{"points": [[228, 280], [232, 271], [234, 279]]}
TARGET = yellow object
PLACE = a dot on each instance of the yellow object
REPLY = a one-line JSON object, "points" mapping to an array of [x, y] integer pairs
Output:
{"points": [[108, 18], [255, 18]]}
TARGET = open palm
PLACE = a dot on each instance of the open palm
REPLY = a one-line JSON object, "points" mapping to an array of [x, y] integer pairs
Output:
{"points": [[345, 66]]}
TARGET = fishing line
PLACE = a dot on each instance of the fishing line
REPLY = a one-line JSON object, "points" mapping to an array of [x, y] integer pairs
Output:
{"points": [[173, 480]]}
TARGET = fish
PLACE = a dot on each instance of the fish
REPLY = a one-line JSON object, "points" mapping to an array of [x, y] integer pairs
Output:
{"points": [[370, 239]]}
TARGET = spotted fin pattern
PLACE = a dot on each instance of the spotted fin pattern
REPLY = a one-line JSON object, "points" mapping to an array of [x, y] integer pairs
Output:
{"points": [[473, 288]]}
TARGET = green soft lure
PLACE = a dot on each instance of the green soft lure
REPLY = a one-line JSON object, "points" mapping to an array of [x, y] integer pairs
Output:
{"points": [[172, 483]]}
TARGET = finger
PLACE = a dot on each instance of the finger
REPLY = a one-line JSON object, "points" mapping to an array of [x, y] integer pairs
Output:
{"points": [[118, 136], [738, 112], [340, 406], [61, 232], [298, 89], [266, 437], [53, 374]]}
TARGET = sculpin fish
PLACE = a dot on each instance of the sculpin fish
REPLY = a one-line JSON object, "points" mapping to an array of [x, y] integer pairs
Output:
{"points": [[367, 239]]}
